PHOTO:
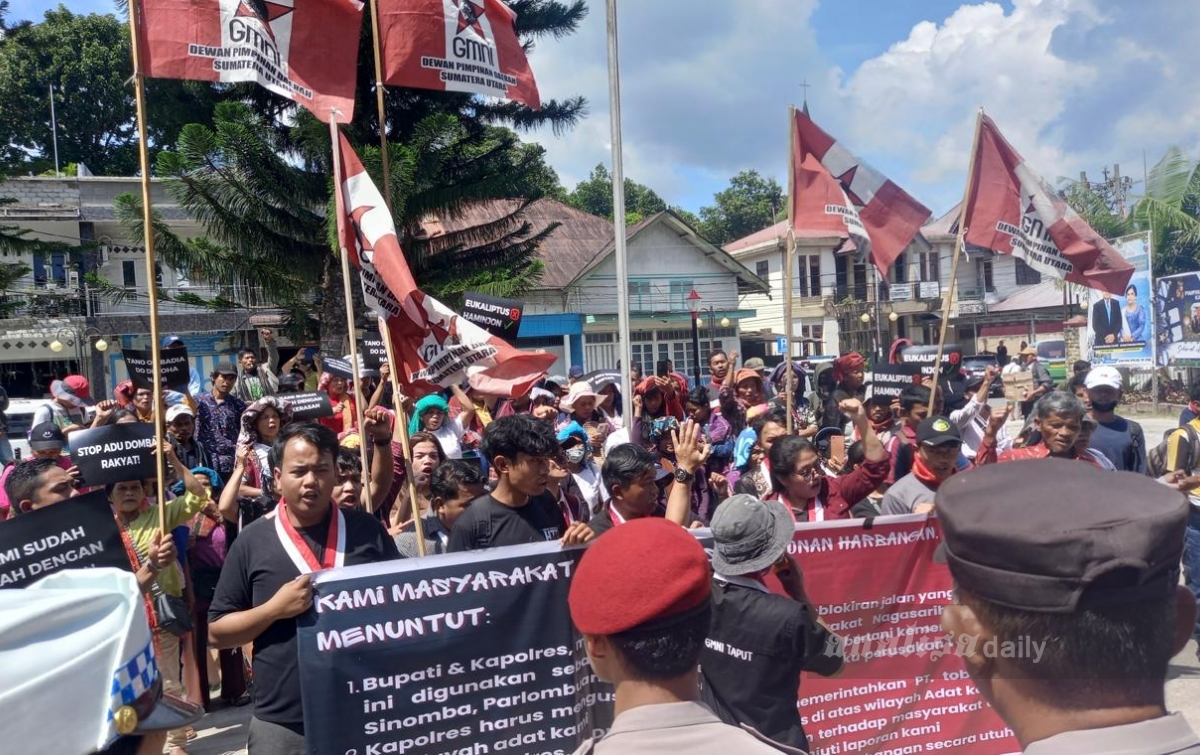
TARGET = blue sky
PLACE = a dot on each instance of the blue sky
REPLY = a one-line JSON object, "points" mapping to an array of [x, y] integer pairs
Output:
{"points": [[1073, 84]]}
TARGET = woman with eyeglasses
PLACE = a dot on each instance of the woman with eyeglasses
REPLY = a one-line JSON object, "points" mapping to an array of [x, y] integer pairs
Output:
{"points": [[798, 479]]}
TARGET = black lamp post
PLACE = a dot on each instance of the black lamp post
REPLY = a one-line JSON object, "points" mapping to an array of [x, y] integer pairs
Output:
{"points": [[694, 301]]}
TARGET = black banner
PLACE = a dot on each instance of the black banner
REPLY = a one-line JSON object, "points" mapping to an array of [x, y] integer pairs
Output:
{"points": [[374, 351], [313, 405], [470, 653], [77, 533], [339, 367], [892, 379], [925, 356], [500, 317], [173, 363], [115, 453]]}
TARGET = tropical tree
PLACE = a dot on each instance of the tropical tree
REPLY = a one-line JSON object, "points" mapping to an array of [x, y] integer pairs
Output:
{"points": [[258, 180], [594, 195], [750, 204], [1170, 209]]}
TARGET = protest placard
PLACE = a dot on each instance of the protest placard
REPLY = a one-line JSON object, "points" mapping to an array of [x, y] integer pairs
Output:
{"points": [[173, 364], [926, 354], [339, 367], [891, 379], [311, 405], [431, 656], [115, 453], [76, 533], [436, 655], [373, 351], [1017, 385], [500, 317]]}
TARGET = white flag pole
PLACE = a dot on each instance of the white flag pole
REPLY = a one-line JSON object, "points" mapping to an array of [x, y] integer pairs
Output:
{"points": [[624, 346], [789, 255], [1150, 280]]}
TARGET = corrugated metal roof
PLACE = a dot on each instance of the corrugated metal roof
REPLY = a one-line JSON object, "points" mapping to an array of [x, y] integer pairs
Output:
{"points": [[1040, 296]]}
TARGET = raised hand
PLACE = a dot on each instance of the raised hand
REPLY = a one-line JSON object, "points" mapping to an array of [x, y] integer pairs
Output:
{"points": [[691, 449]]}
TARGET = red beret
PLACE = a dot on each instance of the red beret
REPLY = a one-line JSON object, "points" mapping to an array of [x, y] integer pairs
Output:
{"points": [[639, 571]]}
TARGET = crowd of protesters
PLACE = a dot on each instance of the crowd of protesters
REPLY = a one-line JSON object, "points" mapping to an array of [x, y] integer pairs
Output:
{"points": [[258, 500]]}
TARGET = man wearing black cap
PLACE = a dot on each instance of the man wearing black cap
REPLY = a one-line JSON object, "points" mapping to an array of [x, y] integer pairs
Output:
{"points": [[644, 636], [219, 418], [758, 642], [938, 446], [1067, 615]]}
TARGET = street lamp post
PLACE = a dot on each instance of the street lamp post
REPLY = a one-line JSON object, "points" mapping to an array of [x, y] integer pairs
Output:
{"points": [[694, 300]]}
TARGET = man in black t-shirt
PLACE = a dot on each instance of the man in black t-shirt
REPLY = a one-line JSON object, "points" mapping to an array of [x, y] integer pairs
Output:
{"points": [[759, 642], [519, 510], [265, 582]]}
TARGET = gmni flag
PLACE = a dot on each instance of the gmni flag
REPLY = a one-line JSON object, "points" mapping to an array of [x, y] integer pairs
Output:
{"points": [[455, 46], [304, 50], [1012, 210], [435, 347], [878, 215]]}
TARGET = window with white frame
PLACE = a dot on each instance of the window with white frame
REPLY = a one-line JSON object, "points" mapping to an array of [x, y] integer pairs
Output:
{"points": [[812, 340], [808, 270], [762, 269], [679, 295], [931, 267], [639, 295]]}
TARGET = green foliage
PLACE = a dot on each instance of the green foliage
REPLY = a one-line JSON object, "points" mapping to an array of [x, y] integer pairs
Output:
{"points": [[1171, 209], [750, 204], [11, 274], [594, 195], [86, 59]]}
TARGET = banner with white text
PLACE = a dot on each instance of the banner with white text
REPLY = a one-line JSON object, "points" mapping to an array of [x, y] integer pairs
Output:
{"points": [[476, 652]]}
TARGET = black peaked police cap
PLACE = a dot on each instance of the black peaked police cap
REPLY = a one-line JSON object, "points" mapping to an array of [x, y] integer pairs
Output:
{"points": [[1055, 535]]}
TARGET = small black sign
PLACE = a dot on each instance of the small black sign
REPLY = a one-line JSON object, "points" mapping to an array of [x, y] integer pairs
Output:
{"points": [[115, 453], [338, 367], [925, 355], [307, 406], [77, 533], [892, 379], [374, 352], [500, 317], [173, 363]]}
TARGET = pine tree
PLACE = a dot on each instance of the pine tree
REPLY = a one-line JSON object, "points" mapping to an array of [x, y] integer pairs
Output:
{"points": [[258, 180]]}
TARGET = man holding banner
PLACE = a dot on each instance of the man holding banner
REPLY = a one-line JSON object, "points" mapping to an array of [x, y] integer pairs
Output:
{"points": [[265, 583]]}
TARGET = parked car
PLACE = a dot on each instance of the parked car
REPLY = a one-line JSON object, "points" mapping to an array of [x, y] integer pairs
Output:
{"points": [[1053, 354], [974, 366], [20, 422]]}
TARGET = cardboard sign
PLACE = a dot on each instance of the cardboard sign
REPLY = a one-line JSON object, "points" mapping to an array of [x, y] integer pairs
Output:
{"points": [[78, 533], [925, 355], [172, 363], [313, 405], [115, 453], [500, 317], [374, 351], [1016, 385], [339, 367], [891, 379]]}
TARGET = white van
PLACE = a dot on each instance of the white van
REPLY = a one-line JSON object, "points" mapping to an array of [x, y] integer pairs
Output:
{"points": [[20, 422]]}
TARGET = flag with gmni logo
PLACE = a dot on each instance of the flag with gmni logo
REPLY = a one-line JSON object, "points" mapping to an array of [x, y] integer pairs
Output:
{"points": [[303, 50], [435, 348], [455, 46]]}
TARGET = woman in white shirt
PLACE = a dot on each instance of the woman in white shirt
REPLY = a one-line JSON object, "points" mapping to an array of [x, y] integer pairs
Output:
{"points": [[432, 416]]}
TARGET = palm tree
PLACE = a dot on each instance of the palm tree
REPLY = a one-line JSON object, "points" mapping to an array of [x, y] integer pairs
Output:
{"points": [[1171, 209]]}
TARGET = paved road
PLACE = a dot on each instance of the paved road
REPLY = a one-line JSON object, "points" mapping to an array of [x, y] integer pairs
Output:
{"points": [[223, 731]]}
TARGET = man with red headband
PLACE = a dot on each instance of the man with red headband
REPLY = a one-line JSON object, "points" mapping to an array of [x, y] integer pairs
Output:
{"points": [[849, 376]]}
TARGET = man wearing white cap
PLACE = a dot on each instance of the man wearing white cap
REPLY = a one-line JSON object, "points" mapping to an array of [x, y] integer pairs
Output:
{"points": [[1121, 440], [78, 670], [181, 429]]}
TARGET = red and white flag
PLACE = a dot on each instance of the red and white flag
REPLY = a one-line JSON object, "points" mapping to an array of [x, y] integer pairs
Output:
{"points": [[435, 347], [888, 216], [825, 205], [455, 46], [303, 50], [1012, 210]]}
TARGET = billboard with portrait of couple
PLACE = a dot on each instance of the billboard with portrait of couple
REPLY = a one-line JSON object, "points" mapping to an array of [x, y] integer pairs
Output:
{"points": [[1121, 329]]}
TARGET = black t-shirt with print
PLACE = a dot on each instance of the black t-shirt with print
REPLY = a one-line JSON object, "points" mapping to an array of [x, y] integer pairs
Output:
{"points": [[256, 567], [487, 523]]}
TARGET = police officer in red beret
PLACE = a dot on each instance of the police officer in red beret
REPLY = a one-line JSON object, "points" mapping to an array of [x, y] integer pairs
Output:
{"points": [[644, 635]]}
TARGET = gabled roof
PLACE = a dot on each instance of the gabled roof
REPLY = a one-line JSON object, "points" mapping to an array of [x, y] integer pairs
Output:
{"points": [[772, 235], [681, 227], [581, 241], [945, 228]]}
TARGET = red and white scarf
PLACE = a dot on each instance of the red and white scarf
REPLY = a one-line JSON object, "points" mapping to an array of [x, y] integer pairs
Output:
{"points": [[298, 549]]}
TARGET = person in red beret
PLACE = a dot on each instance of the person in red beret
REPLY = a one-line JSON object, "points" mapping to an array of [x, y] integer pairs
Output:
{"points": [[849, 375], [645, 636]]}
